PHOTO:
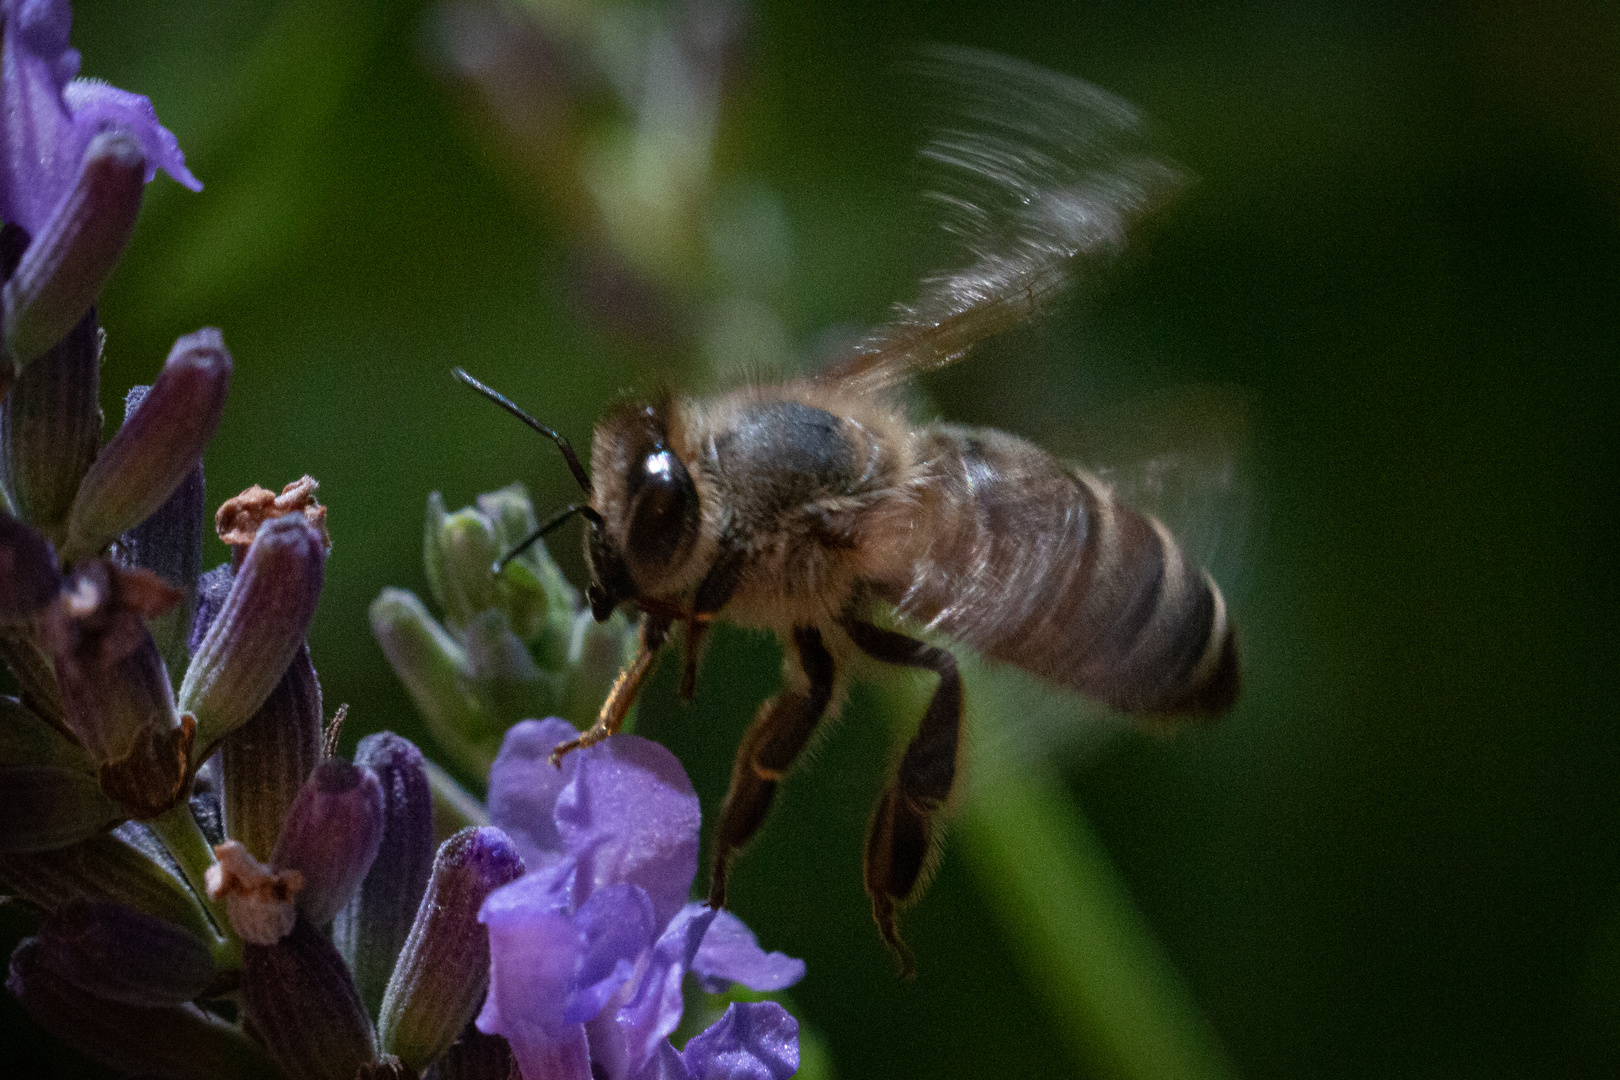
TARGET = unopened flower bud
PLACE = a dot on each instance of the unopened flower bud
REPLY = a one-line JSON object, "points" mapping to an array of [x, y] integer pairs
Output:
{"points": [[532, 589], [28, 574], [167, 1041], [103, 867], [372, 928], [467, 554], [169, 543], [258, 629], [331, 836], [159, 444], [115, 688], [433, 666], [443, 971], [67, 263], [265, 761], [597, 652], [302, 1002], [119, 954], [212, 590], [50, 426], [504, 677]]}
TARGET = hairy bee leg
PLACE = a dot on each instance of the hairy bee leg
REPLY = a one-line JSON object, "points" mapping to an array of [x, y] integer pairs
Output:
{"points": [[654, 629], [779, 732], [902, 835]]}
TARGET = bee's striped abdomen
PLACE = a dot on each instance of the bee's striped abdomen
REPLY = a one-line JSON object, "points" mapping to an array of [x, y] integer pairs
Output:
{"points": [[1039, 565]]}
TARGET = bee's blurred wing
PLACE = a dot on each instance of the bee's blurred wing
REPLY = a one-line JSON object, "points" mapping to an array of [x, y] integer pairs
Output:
{"points": [[1038, 173]]}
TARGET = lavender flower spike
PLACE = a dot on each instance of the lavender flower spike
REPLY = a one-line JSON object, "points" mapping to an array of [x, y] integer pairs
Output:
{"points": [[258, 630], [156, 448], [66, 264], [440, 977], [331, 836], [51, 120]]}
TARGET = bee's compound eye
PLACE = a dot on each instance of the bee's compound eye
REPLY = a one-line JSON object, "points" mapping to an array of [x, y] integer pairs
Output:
{"points": [[664, 518]]}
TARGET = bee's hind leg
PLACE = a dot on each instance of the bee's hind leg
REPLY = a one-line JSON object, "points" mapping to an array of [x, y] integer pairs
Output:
{"points": [[779, 732], [903, 839]]}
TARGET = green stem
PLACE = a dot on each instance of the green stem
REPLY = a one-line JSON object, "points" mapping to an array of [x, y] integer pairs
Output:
{"points": [[1118, 1001], [185, 840]]}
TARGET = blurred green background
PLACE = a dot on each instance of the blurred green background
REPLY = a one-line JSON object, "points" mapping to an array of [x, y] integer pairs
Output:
{"points": [[1399, 856]]}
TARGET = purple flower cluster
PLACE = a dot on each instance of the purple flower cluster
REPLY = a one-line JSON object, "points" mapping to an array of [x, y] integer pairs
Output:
{"points": [[589, 949]]}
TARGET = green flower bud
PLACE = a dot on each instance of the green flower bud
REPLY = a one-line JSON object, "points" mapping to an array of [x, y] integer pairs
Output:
{"points": [[467, 553], [434, 668]]}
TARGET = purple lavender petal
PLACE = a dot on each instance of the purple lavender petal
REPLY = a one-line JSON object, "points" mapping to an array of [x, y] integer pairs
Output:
{"points": [[730, 953], [654, 1010], [666, 1064], [630, 814], [752, 1041], [524, 785], [97, 107], [617, 925], [35, 64], [534, 955]]}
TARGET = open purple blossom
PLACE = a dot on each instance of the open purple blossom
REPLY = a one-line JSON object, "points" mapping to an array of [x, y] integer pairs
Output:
{"points": [[51, 116], [588, 950]]}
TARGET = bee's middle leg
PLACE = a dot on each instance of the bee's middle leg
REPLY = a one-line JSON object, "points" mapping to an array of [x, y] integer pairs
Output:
{"points": [[903, 837], [780, 731]]}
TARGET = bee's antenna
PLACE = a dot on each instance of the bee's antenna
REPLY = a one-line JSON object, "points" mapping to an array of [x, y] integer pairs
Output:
{"points": [[584, 510], [561, 440]]}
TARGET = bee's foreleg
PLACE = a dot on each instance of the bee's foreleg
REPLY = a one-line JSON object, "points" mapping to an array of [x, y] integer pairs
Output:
{"points": [[903, 839], [779, 732], [654, 629]]}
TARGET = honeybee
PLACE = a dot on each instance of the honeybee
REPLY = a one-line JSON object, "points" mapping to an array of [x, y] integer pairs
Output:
{"points": [[807, 506]]}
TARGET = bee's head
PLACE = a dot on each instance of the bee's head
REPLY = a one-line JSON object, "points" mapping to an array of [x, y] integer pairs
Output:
{"points": [[647, 506]]}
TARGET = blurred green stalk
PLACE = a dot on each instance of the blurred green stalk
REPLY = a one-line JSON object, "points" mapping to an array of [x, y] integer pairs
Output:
{"points": [[1118, 1001]]}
